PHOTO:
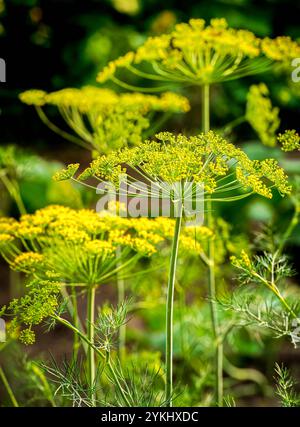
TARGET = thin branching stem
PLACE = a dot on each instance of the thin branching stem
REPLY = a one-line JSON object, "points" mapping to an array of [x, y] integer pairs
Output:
{"points": [[91, 337], [170, 310]]}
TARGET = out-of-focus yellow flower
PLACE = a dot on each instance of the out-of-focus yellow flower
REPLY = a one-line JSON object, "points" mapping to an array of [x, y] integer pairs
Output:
{"points": [[164, 22], [129, 7], [262, 116], [103, 119], [243, 261]]}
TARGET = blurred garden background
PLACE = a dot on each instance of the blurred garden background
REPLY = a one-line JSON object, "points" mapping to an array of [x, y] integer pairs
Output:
{"points": [[53, 44]]}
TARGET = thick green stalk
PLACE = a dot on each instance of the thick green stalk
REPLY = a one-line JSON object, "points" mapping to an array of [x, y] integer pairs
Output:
{"points": [[211, 266], [170, 310], [76, 322], [91, 367]]}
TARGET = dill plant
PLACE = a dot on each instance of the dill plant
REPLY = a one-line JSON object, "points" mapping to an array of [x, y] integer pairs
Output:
{"points": [[196, 54], [61, 248], [206, 158]]}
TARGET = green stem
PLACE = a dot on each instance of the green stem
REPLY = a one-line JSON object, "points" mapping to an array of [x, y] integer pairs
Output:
{"points": [[76, 322], [91, 367], [170, 309], [211, 267], [60, 132], [71, 302], [8, 388], [14, 192], [231, 125], [121, 298], [205, 109]]}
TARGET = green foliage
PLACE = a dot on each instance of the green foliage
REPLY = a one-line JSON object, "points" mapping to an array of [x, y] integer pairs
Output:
{"points": [[285, 387], [40, 302]]}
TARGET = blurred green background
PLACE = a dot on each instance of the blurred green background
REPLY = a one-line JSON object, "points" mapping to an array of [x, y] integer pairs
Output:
{"points": [[51, 44]]}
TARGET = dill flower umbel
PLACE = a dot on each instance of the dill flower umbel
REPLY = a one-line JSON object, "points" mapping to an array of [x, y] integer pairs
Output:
{"points": [[78, 247], [58, 246], [195, 53], [262, 116], [207, 159], [103, 119], [289, 140]]}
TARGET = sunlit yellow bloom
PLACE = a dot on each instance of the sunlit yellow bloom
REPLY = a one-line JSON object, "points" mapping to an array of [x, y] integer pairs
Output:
{"points": [[197, 53], [205, 159], [33, 97], [5, 239], [289, 140], [28, 261], [79, 246]]}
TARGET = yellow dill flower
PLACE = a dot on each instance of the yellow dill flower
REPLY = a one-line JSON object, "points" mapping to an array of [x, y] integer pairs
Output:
{"points": [[289, 140], [67, 173], [143, 246], [200, 54], [262, 116], [92, 99], [26, 230], [129, 7], [7, 225], [205, 159], [5, 239], [282, 49], [99, 247], [253, 180], [242, 262], [34, 97], [28, 261], [78, 246], [103, 119], [27, 336]]}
